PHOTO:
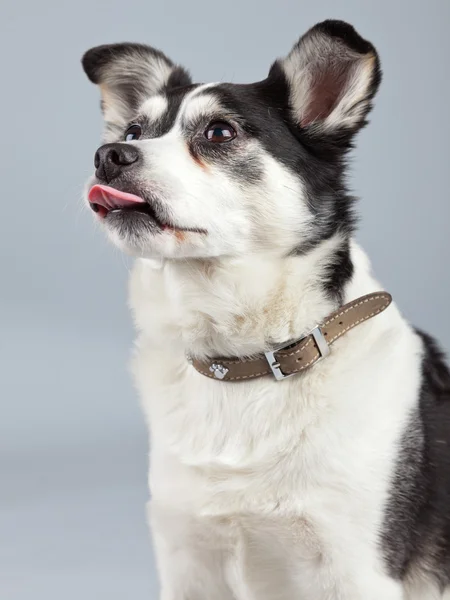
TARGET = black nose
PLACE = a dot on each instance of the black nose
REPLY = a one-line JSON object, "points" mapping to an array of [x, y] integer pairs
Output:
{"points": [[111, 159]]}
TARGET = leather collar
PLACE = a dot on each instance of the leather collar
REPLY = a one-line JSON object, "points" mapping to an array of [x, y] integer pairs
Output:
{"points": [[294, 357]]}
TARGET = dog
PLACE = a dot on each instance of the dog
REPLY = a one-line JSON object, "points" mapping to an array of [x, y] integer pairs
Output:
{"points": [[270, 478]]}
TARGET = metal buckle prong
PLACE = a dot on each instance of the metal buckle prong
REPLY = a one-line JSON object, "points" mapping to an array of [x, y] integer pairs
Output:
{"points": [[275, 365], [319, 339]]}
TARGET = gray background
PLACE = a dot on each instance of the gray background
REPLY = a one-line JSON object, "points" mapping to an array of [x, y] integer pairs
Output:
{"points": [[72, 441]]}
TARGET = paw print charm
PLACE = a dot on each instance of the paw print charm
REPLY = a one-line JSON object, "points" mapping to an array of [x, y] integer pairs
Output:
{"points": [[219, 370]]}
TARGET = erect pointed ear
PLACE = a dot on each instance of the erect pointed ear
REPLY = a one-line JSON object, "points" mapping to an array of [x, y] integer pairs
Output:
{"points": [[127, 75], [332, 75]]}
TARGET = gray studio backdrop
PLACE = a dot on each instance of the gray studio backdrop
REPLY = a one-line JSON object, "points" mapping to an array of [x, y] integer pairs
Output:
{"points": [[73, 449]]}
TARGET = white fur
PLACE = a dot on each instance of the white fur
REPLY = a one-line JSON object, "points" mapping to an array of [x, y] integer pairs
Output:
{"points": [[154, 107], [197, 103], [266, 490]]}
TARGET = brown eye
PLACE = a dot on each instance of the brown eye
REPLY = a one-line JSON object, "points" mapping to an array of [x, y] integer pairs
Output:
{"points": [[133, 132], [220, 132]]}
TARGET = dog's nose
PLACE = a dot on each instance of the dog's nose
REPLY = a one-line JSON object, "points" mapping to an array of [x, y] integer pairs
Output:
{"points": [[111, 159]]}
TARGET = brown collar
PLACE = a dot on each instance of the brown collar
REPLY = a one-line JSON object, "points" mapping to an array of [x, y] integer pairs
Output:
{"points": [[293, 357]]}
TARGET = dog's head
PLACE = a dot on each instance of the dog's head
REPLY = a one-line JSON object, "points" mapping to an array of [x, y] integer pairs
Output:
{"points": [[212, 170]]}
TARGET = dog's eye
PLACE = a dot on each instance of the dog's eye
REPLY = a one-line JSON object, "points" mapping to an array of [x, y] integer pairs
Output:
{"points": [[133, 132], [220, 132]]}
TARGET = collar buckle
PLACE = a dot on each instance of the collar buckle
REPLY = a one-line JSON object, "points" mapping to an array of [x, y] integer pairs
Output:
{"points": [[321, 344]]}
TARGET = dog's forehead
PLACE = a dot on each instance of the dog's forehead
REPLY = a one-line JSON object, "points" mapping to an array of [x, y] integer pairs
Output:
{"points": [[184, 106]]}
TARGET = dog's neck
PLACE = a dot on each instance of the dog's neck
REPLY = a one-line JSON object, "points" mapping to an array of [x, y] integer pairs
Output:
{"points": [[232, 307]]}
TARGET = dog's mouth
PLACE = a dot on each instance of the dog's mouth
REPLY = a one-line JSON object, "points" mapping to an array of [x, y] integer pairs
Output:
{"points": [[107, 201]]}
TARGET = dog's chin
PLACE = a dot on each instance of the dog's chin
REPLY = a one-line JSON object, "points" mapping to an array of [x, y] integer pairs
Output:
{"points": [[141, 237], [133, 223]]}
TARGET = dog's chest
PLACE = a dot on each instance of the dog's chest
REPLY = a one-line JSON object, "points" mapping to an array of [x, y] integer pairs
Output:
{"points": [[288, 452], [272, 477]]}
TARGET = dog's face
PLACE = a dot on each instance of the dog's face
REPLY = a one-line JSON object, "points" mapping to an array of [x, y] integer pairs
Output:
{"points": [[219, 169]]}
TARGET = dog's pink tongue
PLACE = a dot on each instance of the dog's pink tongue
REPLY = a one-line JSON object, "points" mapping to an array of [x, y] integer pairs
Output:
{"points": [[110, 198]]}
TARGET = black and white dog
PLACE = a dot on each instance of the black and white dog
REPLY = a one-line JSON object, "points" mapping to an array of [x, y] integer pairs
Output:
{"points": [[331, 484]]}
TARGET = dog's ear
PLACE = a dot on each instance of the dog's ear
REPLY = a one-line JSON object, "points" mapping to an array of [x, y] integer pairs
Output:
{"points": [[127, 74], [332, 74]]}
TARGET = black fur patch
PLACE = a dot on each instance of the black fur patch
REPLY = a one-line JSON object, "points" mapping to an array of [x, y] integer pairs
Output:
{"points": [[165, 123], [338, 273], [178, 78], [345, 33], [416, 532]]}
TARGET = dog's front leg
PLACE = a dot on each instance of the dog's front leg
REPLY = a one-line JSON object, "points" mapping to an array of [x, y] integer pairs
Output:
{"points": [[188, 568], [186, 574]]}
